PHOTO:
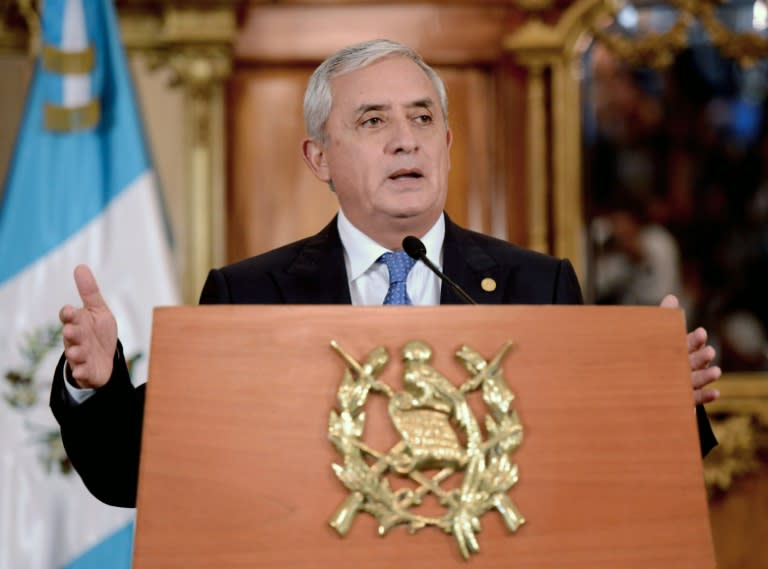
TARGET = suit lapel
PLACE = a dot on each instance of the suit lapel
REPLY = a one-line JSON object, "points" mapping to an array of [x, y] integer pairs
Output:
{"points": [[468, 264], [318, 274]]}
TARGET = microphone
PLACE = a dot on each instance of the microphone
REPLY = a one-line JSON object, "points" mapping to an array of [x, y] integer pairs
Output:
{"points": [[416, 250]]}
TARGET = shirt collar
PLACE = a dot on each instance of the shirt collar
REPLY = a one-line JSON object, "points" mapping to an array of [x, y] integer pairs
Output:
{"points": [[362, 251]]}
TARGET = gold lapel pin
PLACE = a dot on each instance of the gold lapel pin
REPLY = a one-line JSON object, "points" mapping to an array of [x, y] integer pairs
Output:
{"points": [[488, 284]]}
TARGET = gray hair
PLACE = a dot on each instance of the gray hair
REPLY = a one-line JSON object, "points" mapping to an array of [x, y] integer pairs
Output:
{"points": [[318, 97]]}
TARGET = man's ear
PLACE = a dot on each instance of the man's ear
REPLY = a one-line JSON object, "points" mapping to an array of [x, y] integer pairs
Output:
{"points": [[314, 156]]}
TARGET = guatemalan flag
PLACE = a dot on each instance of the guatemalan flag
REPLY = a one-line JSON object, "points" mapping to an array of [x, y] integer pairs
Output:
{"points": [[80, 189]]}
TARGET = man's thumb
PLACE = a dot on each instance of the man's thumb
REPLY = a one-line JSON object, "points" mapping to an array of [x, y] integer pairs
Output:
{"points": [[87, 288]]}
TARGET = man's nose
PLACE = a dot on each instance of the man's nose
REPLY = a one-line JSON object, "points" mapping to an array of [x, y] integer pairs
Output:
{"points": [[403, 137]]}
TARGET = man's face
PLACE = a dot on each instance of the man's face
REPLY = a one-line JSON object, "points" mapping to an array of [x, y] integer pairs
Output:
{"points": [[386, 150]]}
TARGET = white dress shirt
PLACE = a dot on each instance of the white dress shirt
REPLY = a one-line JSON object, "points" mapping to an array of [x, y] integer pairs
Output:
{"points": [[369, 280]]}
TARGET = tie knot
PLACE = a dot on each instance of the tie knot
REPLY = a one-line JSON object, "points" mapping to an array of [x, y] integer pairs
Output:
{"points": [[399, 265]]}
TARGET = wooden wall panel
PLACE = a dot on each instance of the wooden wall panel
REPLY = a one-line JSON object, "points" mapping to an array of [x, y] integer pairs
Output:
{"points": [[511, 137], [274, 198], [471, 182], [739, 521], [458, 33]]}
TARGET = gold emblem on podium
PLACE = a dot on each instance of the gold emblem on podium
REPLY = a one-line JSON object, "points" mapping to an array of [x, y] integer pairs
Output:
{"points": [[440, 439]]}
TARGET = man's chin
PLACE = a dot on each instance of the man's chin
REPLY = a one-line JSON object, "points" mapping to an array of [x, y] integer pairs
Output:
{"points": [[405, 215]]}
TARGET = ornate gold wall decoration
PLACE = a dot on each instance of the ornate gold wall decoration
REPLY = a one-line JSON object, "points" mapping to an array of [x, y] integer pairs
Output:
{"points": [[534, 5], [548, 53], [195, 43], [653, 49], [659, 49], [201, 71], [740, 421]]}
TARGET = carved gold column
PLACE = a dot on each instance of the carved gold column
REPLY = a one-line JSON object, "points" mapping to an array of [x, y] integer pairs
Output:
{"points": [[566, 126], [201, 72], [532, 46], [538, 47], [196, 47], [547, 51]]}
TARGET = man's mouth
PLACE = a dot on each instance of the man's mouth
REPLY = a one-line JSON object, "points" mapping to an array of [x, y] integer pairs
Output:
{"points": [[404, 174]]}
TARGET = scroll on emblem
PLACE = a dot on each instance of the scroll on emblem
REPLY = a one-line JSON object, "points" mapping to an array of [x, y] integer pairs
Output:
{"points": [[438, 432]]}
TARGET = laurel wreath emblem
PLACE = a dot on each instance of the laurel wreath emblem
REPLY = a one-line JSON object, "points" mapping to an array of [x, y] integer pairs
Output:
{"points": [[27, 387], [427, 414]]}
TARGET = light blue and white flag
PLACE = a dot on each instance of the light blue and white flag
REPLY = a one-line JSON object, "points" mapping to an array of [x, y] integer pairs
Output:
{"points": [[80, 189]]}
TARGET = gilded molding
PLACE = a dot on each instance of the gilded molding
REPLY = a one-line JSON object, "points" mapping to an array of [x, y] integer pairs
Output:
{"points": [[534, 5], [200, 71], [740, 422], [19, 26], [195, 43], [567, 203], [196, 25], [532, 39], [656, 50], [142, 32], [197, 69], [659, 49], [543, 48], [746, 48]]}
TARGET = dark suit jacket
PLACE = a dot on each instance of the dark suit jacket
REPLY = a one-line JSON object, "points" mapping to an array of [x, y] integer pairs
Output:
{"points": [[102, 436]]}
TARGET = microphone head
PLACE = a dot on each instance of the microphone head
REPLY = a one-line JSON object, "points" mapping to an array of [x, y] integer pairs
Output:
{"points": [[414, 247]]}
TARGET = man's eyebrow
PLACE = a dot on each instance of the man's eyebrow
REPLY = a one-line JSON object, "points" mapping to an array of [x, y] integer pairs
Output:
{"points": [[368, 107], [425, 103]]}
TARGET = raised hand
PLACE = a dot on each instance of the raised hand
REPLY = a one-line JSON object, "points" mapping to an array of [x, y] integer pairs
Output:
{"points": [[700, 356], [90, 333]]}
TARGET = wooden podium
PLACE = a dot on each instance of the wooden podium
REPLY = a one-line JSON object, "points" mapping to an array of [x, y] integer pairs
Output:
{"points": [[236, 462]]}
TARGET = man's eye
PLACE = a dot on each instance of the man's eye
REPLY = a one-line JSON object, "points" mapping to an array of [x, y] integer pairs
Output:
{"points": [[373, 121], [424, 119]]}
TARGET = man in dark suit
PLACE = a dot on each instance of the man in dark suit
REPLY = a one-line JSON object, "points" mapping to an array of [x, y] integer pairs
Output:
{"points": [[376, 118]]}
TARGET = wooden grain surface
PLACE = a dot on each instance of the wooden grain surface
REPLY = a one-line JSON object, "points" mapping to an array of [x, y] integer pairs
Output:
{"points": [[236, 462]]}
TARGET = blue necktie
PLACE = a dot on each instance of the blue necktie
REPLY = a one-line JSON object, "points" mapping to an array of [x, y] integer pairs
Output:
{"points": [[399, 265]]}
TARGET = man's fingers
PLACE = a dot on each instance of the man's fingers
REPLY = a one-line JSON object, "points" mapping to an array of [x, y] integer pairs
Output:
{"points": [[706, 376], [76, 328], [703, 396], [701, 358], [67, 314], [696, 339], [71, 334], [87, 370], [75, 355], [87, 288], [80, 372], [670, 301]]}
